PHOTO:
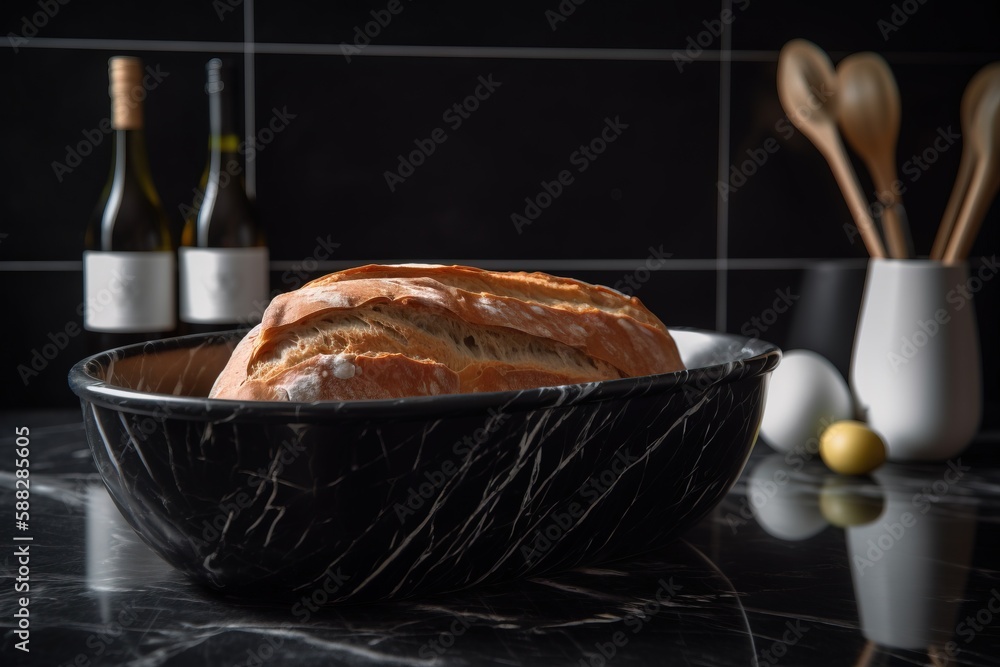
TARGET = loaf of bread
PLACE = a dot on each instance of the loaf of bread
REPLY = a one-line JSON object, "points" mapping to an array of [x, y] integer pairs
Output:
{"points": [[420, 330]]}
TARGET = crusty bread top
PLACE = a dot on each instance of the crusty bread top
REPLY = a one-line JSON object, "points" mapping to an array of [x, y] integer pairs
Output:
{"points": [[392, 331]]}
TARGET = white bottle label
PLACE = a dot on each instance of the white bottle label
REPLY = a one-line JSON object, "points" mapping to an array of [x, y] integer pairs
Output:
{"points": [[223, 285], [128, 292]]}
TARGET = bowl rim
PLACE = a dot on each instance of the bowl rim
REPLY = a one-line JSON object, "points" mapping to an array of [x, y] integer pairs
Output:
{"points": [[764, 357]]}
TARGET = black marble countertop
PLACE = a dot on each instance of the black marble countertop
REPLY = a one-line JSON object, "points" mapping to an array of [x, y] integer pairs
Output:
{"points": [[911, 578]]}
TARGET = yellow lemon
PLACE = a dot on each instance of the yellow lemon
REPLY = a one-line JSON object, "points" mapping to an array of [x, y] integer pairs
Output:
{"points": [[851, 448]]}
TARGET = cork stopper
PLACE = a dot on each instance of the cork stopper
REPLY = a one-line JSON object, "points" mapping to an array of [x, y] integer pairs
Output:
{"points": [[127, 93]]}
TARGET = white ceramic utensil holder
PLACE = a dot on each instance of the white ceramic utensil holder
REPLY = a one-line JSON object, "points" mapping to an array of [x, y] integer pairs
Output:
{"points": [[916, 369]]}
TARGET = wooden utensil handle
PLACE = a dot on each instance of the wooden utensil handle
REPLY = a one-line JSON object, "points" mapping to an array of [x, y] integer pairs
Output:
{"points": [[982, 189], [895, 237], [856, 201], [951, 211]]}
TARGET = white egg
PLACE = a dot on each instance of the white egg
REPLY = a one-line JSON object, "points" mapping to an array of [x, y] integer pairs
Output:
{"points": [[806, 394]]}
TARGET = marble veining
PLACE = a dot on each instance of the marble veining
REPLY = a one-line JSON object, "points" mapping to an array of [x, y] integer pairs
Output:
{"points": [[727, 594]]}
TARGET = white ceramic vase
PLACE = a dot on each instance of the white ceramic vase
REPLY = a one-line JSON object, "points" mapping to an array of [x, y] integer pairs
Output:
{"points": [[916, 369]]}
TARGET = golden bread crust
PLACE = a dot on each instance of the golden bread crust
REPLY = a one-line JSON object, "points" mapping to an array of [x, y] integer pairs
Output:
{"points": [[410, 330]]}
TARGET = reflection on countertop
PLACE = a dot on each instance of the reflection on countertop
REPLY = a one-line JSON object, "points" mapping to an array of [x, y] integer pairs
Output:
{"points": [[797, 567], [923, 590]]}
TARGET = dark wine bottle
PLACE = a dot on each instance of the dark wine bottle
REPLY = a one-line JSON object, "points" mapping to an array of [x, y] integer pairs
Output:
{"points": [[223, 255], [128, 261]]}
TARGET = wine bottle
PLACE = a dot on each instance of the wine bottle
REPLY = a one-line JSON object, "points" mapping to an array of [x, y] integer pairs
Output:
{"points": [[128, 261], [223, 256]]}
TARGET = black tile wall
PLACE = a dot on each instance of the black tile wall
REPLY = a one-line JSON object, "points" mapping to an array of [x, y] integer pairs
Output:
{"points": [[764, 303], [48, 340], [921, 28], [554, 23], [353, 121], [122, 19], [660, 68]]}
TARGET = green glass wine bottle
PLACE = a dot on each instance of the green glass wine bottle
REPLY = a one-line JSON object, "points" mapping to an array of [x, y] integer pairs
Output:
{"points": [[223, 257], [128, 261]]}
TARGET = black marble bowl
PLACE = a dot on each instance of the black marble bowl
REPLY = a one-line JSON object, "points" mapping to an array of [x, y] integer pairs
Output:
{"points": [[370, 500]]}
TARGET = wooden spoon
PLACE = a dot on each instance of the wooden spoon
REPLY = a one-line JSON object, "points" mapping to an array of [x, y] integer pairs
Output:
{"points": [[868, 112], [807, 86], [970, 153], [985, 135]]}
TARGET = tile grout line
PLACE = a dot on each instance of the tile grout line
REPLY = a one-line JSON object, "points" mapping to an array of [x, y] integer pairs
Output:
{"points": [[722, 203], [445, 51], [383, 50], [621, 264], [249, 92]]}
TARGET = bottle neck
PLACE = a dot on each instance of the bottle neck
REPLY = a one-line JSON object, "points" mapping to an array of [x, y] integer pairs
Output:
{"points": [[127, 119], [223, 139], [129, 147], [223, 173], [129, 169]]}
